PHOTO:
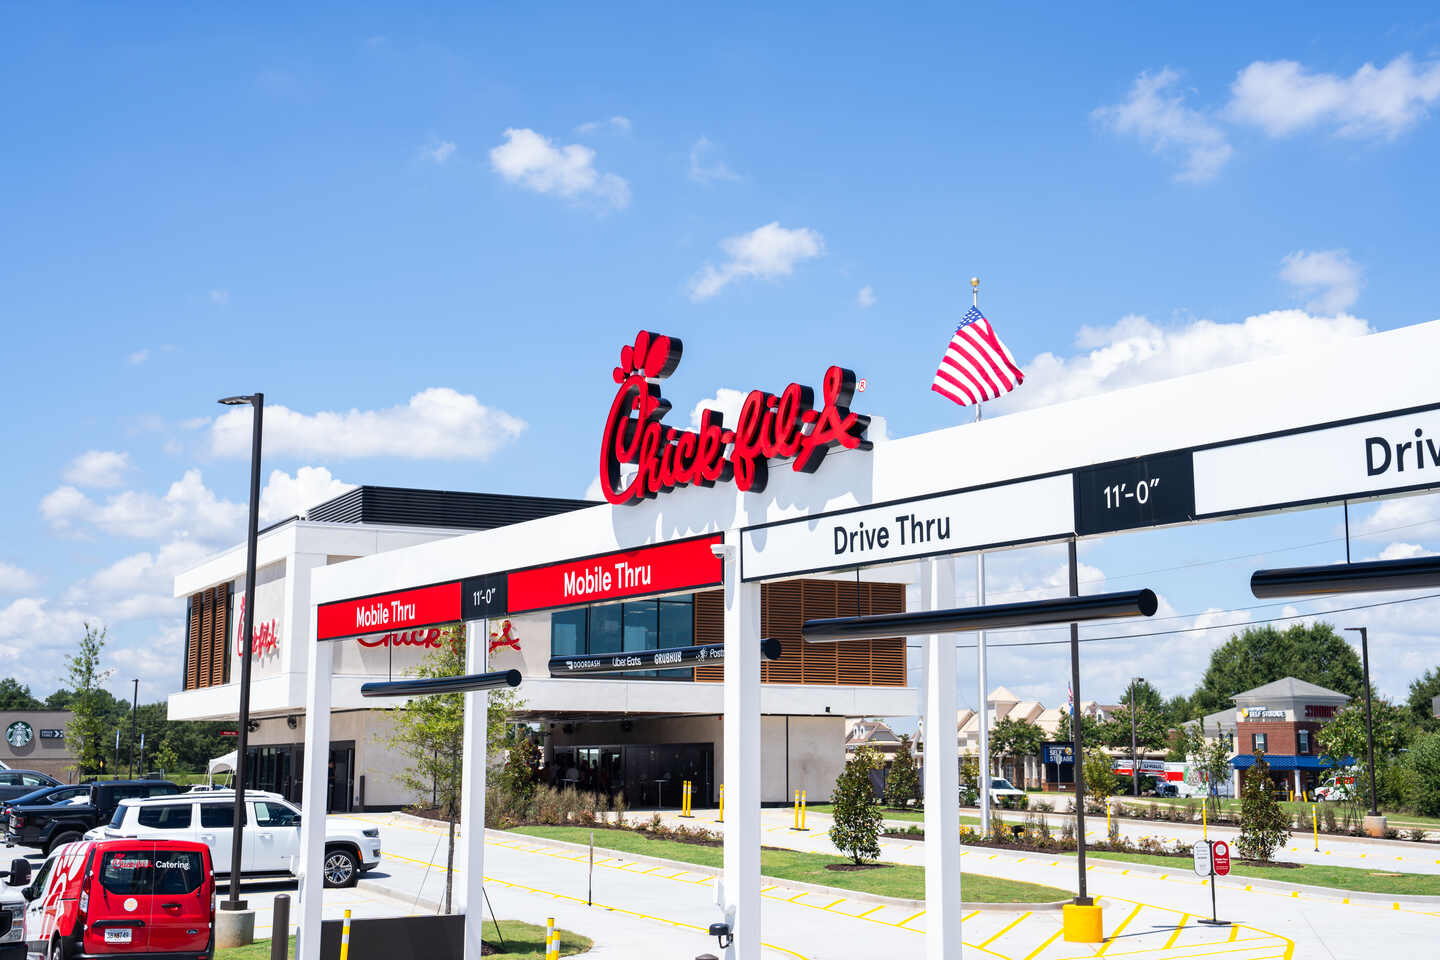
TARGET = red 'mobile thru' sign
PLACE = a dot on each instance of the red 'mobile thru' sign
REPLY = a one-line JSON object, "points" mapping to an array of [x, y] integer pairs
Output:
{"points": [[770, 425]]}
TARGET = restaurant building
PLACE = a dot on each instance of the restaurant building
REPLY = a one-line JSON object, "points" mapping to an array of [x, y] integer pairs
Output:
{"points": [[641, 734]]}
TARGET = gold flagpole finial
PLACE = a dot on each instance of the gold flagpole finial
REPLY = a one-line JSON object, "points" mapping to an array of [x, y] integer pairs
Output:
{"points": [[975, 290]]}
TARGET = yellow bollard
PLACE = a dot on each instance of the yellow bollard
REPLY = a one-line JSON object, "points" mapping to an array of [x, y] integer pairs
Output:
{"points": [[685, 799], [804, 812], [1082, 924], [552, 942], [1315, 826], [1107, 818], [795, 812], [721, 818], [345, 937], [1205, 818]]}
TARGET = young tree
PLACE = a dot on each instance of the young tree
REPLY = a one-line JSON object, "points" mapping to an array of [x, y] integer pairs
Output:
{"points": [[429, 731], [1264, 827], [1343, 742], [86, 731], [1100, 778], [1016, 739], [856, 828], [1211, 758], [903, 783], [1424, 759]]}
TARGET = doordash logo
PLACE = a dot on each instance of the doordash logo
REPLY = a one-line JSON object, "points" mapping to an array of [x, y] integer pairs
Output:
{"points": [[784, 424]]}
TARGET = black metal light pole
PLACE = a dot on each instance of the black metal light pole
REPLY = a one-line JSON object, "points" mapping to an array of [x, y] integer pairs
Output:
{"points": [[1369, 731], [1134, 749], [134, 707], [257, 402]]}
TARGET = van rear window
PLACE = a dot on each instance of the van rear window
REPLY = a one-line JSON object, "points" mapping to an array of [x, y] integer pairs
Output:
{"points": [[146, 872]]}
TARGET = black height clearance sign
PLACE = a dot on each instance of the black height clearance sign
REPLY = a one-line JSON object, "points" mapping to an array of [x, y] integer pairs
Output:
{"points": [[1144, 492]]}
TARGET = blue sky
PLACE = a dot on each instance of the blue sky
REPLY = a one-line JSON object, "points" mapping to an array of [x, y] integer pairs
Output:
{"points": [[349, 207]]}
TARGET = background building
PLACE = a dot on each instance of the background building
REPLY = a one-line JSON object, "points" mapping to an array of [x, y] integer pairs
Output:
{"points": [[35, 740]]}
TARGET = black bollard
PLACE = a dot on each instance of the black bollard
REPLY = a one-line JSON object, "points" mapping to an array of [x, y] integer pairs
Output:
{"points": [[280, 928]]}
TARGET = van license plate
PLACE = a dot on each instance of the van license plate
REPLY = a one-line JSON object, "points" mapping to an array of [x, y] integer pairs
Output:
{"points": [[118, 935]]}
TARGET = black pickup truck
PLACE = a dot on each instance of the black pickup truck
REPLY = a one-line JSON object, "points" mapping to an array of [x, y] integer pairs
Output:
{"points": [[48, 826]]}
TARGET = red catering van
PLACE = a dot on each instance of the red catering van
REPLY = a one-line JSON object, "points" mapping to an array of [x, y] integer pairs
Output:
{"points": [[148, 899]]}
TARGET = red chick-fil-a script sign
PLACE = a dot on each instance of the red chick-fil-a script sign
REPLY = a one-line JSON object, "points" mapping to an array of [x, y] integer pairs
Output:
{"points": [[784, 424], [680, 565]]}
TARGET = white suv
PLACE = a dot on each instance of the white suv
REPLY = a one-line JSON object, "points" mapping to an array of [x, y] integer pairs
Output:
{"points": [[271, 842]]}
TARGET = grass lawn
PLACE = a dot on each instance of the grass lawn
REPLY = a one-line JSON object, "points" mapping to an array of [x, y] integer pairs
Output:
{"points": [[523, 941], [894, 881], [1318, 875]]}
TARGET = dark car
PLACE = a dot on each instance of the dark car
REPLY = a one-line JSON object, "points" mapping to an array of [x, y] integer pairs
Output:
{"points": [[47, 826], [17, 783], [51, 795]]}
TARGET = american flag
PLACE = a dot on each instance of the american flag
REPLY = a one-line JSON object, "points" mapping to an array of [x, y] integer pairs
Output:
{"points": [[977, 366]]}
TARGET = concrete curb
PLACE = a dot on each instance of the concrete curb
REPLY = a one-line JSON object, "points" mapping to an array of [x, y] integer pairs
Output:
{"points": [[823, 890]]}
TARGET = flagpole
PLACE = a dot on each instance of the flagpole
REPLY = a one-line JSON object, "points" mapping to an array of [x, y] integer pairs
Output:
{"points": [[984, 760]]}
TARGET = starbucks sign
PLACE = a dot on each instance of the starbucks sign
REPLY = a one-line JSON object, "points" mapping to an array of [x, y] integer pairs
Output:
{"points": [[19, 733]]}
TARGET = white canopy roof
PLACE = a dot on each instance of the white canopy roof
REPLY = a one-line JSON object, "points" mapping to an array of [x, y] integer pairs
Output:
{"points": [[226, 762]]}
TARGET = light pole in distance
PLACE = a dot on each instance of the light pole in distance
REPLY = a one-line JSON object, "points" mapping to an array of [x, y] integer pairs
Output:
{"points": [[1369, 731], [1134, 746]]}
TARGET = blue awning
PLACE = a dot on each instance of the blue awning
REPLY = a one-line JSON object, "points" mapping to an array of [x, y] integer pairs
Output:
{"points": [[1245, 761]]}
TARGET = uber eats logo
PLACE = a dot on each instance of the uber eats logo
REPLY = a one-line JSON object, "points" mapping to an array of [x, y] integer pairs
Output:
{"points": [[19, 733]]}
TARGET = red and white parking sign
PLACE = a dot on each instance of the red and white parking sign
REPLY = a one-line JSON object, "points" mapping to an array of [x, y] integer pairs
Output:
{"points": [[1221, 858]]}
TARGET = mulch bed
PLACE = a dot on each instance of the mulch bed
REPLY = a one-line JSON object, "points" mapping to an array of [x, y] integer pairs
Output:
{"points": [[848, 867]]}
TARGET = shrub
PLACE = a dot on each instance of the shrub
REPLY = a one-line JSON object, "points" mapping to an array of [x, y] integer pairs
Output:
{"points": [[856, 828], [1415, 833], [1044, 806], [1327, 817], [1263, 825]]}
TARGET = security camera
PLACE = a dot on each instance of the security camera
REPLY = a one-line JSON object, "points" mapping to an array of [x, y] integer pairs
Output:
{"points": [[720, 550], [721, 932]]}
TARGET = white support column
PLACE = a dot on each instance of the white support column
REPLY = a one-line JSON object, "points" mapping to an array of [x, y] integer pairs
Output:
{"points": [[942, 773], [472, 789], [742, 756], [313, 796], [984, 705]]}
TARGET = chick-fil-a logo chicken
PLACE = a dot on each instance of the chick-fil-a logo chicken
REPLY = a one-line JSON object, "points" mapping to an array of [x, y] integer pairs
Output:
{"points": [[504, 637], [784, 424]]}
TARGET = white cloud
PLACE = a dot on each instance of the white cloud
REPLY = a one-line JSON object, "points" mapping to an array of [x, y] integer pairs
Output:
{"points": [[1155, 113], [1403, 551], [98, 468], [15, 580], [1329, 277], [220, 297], [188, 509], [286, 496], [138, 357], [439, 153], [437, 424], [532, 161], [770, 251], [1418, 516], [31, 618], [703, 172], [866, 296], [1281, 97], [141, 573], [1136, 351], [726, 400], [619, 123]]}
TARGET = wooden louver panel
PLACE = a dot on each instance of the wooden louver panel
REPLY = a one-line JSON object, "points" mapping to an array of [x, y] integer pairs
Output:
{"points": [[206, 638], [786, 605]]}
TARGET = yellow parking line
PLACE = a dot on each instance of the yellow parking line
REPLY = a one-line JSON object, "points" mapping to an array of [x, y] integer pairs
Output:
{"points": [[1176, 935], [827, 907], [1004, 930], [862, 916], [1234, 932], [1118, 930], [908, 919], [1041, 949]]}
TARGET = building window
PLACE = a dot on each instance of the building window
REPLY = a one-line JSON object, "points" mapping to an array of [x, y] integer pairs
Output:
{"points": [[1257, 743], [1303, 740], [612, 628]]}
